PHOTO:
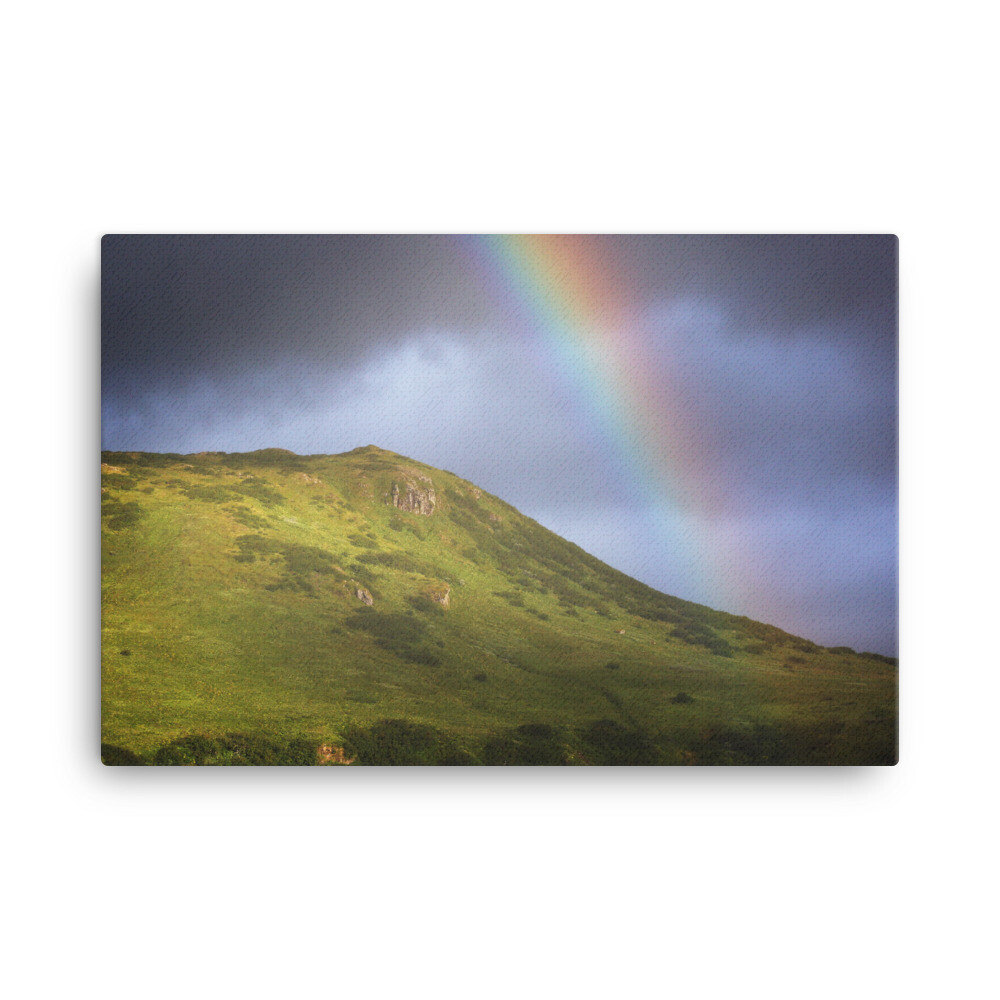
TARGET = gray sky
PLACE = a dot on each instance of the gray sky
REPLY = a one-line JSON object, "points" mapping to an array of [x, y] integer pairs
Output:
{"points": [[782, 352]]}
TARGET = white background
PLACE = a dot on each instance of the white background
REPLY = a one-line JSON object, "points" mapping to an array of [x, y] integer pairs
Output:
{"points": [[302, 117]]}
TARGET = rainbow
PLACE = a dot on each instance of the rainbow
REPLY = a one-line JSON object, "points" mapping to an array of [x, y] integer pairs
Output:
{"points": [[582, 307]]}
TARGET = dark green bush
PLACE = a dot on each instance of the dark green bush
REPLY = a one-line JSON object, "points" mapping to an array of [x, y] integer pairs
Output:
{"points": [[696, 633], [251, 546], [125, 519], [770, 744], [365, 577], [257, 750], [412, 654], [611, 744], [398, 742], [247, 518], [362, 542], [426, 606], [208, 494], [682, 698], [116, 481], [530, 745], [302, 559], [299, 560], [121, 515], [394, 560], [186, 750], [173, 756], [114, 756], [259, 490]]}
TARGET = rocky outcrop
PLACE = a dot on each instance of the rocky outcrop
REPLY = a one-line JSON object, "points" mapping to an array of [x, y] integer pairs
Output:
{"points": [[414, 497], [443, 597], [329, 754], [364, 597]]}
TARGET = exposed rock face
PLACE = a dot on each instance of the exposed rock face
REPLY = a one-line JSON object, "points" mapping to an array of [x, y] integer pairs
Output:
{"points": [[364, 597], [413, 497], [329, 754], [443, 597]]}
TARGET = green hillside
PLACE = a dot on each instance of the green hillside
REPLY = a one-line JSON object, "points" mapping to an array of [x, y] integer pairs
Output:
{"points": [[278, 609]]}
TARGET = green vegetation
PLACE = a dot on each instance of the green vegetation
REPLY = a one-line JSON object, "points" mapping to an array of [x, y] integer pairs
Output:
{"points": [[237, 631]]}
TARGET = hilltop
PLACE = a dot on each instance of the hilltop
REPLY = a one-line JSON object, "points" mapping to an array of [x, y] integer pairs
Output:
{"points": [[268, 607]]}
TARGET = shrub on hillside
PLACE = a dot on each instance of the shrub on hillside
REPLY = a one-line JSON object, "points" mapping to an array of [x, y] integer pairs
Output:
{"points": [[121, 515], [257, 750], [302, 559], [530, 745], [399, 742], [252, 546], [365, 577], [363, 542], [116, 481], [611, 744], [247, 518], [208, 494], [257, 489], [698, 634], [394, 560], [770, 744], [191, 749], [424, 604], [114, 756]]}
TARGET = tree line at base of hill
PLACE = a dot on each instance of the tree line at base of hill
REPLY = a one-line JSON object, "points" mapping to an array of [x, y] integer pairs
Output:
{"points": [[603, 742]]}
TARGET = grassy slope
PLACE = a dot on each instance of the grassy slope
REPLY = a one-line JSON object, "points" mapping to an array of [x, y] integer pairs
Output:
{"points": [[229, 604]]}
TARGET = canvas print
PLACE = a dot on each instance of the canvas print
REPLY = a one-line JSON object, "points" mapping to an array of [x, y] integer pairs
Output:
{"points": [[512, 500]]}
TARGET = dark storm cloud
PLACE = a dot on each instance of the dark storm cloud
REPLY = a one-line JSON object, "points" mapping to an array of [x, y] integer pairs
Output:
{"points": [[782, 349], [778, 284], [178, 308]]}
